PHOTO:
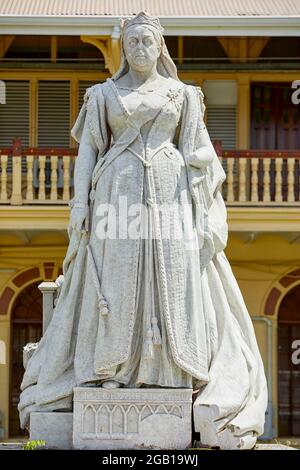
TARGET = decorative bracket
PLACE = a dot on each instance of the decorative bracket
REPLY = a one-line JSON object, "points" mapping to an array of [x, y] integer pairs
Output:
{"points": [[109, 46]]}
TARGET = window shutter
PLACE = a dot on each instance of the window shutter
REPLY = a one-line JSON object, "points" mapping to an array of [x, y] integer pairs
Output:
{"points": [[54, 114], [14, 115], [221, 97], [221, 125]]}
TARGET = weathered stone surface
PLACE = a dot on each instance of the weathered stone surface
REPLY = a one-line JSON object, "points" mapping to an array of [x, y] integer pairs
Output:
{"points": [[55, 428], [28, 351], [132, 418]]}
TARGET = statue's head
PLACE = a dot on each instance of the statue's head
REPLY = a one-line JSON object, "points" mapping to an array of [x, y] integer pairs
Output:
{"points": [[142, 41], [143, 45]]}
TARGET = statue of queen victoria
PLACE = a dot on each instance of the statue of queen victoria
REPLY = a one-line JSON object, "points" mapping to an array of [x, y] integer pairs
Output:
{"points": [[140, 305]]}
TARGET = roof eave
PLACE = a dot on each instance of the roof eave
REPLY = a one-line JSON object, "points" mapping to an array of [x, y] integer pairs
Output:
{"points": [[183, 25]]}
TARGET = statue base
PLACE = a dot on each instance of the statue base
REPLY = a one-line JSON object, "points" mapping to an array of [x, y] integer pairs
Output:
{"points": [[132, 418], [122, 418], [55, 428]]}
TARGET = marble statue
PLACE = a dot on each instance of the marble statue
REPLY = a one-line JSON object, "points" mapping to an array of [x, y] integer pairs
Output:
{"points": [[141, 306]]}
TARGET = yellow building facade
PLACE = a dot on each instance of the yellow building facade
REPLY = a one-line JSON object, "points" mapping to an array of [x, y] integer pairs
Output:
{"points": [[242, 79]]}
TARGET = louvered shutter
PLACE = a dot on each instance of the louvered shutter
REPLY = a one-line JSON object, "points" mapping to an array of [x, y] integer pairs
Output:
{"points": [[221, 105], [54, 114], [14, 115], [221, 125]]}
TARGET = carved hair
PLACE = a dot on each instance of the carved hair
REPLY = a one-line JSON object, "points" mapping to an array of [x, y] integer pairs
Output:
{"points": [[165, 64]]}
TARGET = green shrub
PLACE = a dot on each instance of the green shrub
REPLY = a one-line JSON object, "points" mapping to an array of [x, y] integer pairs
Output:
{"points": [[34, 445]]}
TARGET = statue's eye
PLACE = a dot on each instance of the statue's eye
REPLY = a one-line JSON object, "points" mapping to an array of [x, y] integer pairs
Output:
{"points": [[147, 41], [132, 42]]}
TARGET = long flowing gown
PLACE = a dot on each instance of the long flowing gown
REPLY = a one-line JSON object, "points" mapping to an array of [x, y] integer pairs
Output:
{"points": [[128, 176], [160, 368], [151, 310]]}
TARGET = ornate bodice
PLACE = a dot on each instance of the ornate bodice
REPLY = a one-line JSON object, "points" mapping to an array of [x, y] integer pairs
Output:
{"points": [[165, 102]]}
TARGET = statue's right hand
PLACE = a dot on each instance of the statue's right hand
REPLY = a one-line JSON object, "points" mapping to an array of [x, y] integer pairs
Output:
{"points": [[79, 215]]}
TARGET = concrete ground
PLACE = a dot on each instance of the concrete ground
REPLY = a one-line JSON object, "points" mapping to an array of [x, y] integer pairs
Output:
{"points": [[275, 444]]}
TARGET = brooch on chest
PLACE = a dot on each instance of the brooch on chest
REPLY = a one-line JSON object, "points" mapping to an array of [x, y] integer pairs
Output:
{"points": [[175, 96]]}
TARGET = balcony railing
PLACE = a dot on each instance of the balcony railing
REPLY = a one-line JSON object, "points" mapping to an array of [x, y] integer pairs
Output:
{"points": [[254, 177], [36, 175], [261, 177]]}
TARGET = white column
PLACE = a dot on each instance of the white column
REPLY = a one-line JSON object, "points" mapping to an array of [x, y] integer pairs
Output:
{"points": [[48, 290]]}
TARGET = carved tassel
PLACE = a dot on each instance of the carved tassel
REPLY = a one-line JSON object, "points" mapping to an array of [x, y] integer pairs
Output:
{"points": [[156, 332], [103, 307], [92, 194], [102, 303], [148, 345]]}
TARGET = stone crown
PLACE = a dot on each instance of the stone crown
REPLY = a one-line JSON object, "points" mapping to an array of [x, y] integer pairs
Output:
{"points": [[141, 18]]}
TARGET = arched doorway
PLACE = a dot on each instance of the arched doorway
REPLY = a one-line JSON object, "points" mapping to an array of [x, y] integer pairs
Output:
{"points": [[26, 327], [288, 372]]}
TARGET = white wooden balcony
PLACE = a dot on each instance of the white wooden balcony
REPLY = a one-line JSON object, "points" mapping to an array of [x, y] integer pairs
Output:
{"points": [[254, 177], [36, 176], [261, 178]]}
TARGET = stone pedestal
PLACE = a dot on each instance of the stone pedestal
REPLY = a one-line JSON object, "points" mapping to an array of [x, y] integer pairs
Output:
{"points": [[124, 418], [55, 428]]}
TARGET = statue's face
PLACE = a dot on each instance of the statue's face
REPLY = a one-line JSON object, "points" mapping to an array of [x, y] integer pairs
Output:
{"points": [[141, 48]]}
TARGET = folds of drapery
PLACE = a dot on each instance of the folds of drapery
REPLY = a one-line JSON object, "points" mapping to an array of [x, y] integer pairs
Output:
{"points": [[44, 378], [229, 411], [50, 372], [205, 183]]}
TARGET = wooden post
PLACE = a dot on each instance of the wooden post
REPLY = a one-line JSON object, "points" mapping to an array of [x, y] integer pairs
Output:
{"points": [[53, 48], [243, 131], [180, 49], [242, 179], [230, 193], [54, 163], [29, 189], [66, 178], [16, 197], [33, 115], [116, 48], [291, 179], [3, 185], [42, 177], [254, 179], [266, 179], [278, 179]]}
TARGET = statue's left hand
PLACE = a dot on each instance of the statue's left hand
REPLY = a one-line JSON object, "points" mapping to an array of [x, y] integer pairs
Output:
{"points": [[201, 157], [79, 216]]}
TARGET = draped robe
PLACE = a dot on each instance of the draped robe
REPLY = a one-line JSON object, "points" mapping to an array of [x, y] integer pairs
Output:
{"points": [[63, 360]]}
